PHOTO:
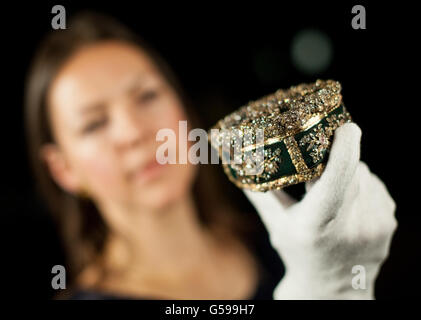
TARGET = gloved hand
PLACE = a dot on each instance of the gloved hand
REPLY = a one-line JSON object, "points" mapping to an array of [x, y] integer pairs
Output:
{"points": [[338, 234]]}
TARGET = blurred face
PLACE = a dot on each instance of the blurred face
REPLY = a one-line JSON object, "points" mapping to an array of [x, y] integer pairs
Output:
{"points": [[105, 106]]}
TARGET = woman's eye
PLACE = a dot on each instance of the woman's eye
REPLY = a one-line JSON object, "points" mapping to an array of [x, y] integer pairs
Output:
{"points": [[148, 96], [94, 125]]}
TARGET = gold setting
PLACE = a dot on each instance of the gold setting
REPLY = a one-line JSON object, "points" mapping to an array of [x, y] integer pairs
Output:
{"points": [[303, 118]]}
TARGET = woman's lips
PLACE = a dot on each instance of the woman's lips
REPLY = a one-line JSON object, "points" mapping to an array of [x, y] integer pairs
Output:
{"points": [[148, 172]]}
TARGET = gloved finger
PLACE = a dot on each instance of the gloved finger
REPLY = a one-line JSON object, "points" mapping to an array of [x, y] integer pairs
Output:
{"points": [[375, 207], [310, 184], [326, 193], [270, 205], [285, 199], [384, 205], [352, 196]]}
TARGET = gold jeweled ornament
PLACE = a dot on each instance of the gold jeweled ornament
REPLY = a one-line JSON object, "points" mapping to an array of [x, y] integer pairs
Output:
{"points": [[298, 126]]}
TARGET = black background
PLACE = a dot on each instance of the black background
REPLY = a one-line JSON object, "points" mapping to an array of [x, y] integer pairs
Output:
{"points": [[215, 50]]}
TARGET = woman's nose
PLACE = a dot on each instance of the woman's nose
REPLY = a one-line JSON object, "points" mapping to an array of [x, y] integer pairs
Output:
{"points": [[127, 128]]}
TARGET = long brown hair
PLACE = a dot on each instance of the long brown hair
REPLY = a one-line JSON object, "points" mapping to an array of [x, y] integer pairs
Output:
{"points": [[81, 225]]}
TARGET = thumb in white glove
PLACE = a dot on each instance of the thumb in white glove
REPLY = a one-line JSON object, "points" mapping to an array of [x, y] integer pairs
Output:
{"points": [[345, 219]]}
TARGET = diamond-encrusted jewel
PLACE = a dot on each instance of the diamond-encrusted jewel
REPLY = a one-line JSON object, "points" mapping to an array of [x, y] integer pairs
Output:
{"points": [[307, 109], [270, 161], [287, 109], [318, 140], [271, 167]]}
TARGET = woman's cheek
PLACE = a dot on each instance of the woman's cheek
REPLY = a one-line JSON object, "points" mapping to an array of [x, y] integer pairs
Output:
{"points": [[100, 173], [171, 112]]}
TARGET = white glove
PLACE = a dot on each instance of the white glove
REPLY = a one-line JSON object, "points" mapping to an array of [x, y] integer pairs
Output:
{"points": [[345, 219]]}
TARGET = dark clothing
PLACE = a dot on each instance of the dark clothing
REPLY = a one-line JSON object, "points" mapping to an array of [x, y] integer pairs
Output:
{"points": [[271, 271]]}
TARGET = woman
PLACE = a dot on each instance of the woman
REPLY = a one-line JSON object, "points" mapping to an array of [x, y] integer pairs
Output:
{"points": [[96, 97]]}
